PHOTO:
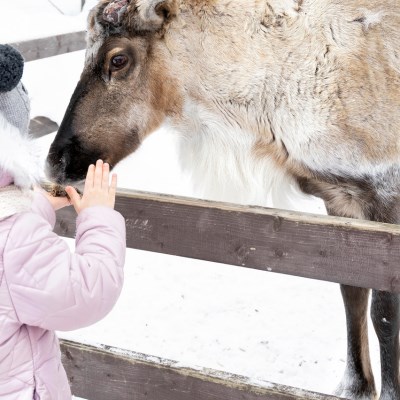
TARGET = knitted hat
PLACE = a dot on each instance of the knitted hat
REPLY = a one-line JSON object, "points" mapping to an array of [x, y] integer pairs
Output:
{"points": [[14, 100], [19, 162]]}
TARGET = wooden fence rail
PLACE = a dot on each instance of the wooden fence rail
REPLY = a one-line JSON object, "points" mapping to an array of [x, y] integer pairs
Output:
{"points": [[342, 250], [357, 253], [106, 373], [51, 46]]}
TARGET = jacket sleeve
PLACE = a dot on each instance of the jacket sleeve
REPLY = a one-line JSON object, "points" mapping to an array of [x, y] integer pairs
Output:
{"points": [[55, 289], [42, 207]]}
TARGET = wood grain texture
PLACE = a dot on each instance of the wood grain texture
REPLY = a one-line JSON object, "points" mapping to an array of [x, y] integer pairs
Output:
{"points": [[104, 373], [51, 46], [342, 250]]}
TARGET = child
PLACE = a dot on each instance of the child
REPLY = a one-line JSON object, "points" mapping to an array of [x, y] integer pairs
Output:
{"points": [[43, 287]]}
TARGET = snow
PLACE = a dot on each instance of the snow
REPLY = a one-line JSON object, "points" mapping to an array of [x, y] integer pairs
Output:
{"points": [[245, 322], [265, 326]]}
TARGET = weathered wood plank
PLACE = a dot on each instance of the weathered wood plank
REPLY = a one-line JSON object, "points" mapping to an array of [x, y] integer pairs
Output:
{"points": [[342, 250], [51, 46], [41, 126], [104, 373]]}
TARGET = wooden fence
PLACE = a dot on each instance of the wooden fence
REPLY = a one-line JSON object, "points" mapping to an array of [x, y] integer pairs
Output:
{"points": [[51, 46], [341, 250], [104, 373]]}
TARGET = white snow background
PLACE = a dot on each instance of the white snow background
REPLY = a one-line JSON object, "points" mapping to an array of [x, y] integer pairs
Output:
{"points": [[265, 326]]}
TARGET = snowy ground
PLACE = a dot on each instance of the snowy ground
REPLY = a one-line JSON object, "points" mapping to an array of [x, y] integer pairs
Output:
{"points": [[266, 326]]}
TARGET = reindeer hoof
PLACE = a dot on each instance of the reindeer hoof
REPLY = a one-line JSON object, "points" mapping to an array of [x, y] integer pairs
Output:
{"points": [[356, 390]]}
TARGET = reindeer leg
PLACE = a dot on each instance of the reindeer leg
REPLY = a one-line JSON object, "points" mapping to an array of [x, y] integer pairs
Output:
{"points": [[358, 380], [375, 198], [385, 316]]}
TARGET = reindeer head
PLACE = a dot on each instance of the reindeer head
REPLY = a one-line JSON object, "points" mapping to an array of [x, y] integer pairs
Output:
{"points": [[190, 63], [125, 90]]}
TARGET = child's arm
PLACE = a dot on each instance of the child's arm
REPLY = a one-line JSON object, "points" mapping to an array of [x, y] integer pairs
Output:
{"points": [[55, 289]]}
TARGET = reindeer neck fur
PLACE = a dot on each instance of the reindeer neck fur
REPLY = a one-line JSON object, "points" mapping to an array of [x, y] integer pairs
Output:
{"points": [[227, 122], [296, 76], [222, 163]]}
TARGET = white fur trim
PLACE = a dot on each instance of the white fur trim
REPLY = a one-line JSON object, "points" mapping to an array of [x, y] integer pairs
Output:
{"points": [[19, 155], [14, 200]]}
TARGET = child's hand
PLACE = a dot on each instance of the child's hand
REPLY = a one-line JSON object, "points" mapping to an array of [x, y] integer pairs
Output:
{"points": [[56, 202], [97, 191]]}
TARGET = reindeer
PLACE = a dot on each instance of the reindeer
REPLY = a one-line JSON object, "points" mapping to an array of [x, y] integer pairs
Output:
{"points": [[262, 94]]}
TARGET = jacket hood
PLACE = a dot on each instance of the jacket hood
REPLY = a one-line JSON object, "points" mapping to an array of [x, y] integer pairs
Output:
{"points": [[19, 156]]}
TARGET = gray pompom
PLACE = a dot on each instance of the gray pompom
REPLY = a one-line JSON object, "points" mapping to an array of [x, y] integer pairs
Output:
{"points": [[11, 68]]}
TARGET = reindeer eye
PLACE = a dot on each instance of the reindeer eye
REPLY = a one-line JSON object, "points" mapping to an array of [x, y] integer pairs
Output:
{"points": [[118, 62]]}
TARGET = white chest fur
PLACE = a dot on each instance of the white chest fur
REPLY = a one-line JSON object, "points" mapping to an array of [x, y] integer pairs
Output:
{"points": [[220, 159]]}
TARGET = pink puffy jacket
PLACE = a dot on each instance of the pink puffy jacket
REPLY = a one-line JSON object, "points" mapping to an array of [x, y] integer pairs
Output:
{"points": [[44, 287]]}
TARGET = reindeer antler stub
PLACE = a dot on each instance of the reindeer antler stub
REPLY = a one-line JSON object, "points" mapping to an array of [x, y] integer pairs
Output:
{"points": [[114, 12]]}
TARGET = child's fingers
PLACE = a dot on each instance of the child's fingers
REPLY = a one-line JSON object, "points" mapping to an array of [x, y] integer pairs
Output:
{"points": [[89, 177], [98, 174], [106, 176], [74, 196]]}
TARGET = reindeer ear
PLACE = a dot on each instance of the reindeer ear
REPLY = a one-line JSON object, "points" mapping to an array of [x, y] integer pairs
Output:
{"points": [[153, 15]]}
